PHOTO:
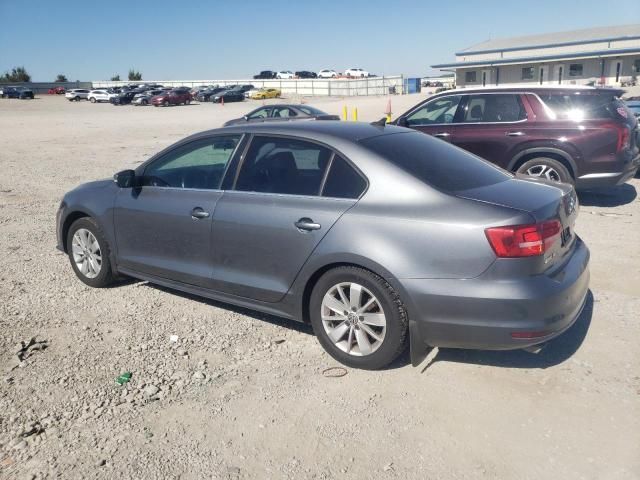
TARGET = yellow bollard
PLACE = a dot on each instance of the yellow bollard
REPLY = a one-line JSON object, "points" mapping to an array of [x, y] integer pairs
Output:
{"points": [[344, 113], [388, 118], [355, 114]]}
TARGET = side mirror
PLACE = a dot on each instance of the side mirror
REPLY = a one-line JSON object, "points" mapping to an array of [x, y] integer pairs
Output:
{"points": [[402, 122], [125, 178]]}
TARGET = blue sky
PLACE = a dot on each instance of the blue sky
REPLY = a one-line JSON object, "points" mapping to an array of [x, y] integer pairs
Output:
{"points": [[221, 39]]}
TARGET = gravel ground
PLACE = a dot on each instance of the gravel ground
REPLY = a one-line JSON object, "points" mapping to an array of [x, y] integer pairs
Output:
{"points": [[239, 395]]}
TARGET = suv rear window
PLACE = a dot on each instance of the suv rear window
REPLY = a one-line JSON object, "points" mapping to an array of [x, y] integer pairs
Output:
{"points": [[435, 162], [578, 106]]}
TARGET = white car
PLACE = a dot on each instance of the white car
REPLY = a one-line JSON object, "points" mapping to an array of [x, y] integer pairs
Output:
{"points": [[100, 96], [285, 74], [327, 74], [76, 94], [356, 72]]}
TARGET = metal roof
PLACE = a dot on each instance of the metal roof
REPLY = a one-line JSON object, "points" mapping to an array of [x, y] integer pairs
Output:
{"points": [[539, 58], [573, 37]]}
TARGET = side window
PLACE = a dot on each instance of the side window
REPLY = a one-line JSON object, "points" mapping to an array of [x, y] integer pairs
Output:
{"points": [[283, 165], [199, 164], [343, 181], [262, 113], [494, 108], [440, 110], [283, 112]]}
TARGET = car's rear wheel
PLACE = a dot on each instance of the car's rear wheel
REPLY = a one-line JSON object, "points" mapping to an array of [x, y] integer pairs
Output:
{"points": [[358, 318], [89, 253], [145, 102], [187, 101], [77, 99], [547, 168]]}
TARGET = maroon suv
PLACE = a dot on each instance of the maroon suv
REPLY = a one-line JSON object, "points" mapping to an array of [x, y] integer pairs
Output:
{"points": [[177, 96], [585, 136]]}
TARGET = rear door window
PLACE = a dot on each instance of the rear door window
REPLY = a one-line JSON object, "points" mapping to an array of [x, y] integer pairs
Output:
{"points": [[343, 181], [493, 108], [283, 165], [435, 162]]}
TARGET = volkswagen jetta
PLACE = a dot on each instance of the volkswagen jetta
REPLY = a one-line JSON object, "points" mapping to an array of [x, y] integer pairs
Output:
{"points": [[378, 236]]}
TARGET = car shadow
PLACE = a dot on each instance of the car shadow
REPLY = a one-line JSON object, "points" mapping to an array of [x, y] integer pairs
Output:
{"points": [[554, 352], [266, 317], [608, 197]]}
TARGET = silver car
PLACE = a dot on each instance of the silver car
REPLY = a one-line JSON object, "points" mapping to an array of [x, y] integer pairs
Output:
{"points": [[378, 236]]}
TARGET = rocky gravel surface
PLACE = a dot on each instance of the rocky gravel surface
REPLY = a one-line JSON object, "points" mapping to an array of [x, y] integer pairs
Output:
{"points": [[137, 381]]}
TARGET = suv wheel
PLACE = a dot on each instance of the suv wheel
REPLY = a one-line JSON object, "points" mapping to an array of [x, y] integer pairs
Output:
{"points": [[358, 318], [547, 168], [89, 253], [92, 100]]}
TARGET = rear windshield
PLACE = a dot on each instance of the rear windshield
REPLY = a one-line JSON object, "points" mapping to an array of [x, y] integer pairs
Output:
{"points": [[582, 106], [436, 162]]}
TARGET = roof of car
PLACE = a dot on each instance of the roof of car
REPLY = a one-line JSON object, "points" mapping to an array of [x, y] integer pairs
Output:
{"points": [[353, 131]]}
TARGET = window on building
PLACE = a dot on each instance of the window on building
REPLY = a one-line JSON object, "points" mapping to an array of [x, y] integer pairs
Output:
{"points": [[527, 73], [470, 77], [575, 70], [636, 66]]}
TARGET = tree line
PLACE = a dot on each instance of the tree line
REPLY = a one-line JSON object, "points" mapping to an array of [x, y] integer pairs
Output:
{"points": [[20, 74]]}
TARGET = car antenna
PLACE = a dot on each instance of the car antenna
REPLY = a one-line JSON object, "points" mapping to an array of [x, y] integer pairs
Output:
{"points": [[380, 123]]}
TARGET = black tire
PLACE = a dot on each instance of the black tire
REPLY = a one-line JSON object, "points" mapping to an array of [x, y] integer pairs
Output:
{"points": [[165, 103], [105, 277], [559, 171], [77, 99], [92, 100], [395, 340], [187, 102], [145, 102]]}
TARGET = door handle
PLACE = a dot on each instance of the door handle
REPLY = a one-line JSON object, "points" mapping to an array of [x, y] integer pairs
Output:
{"points": [[514, 134], [441, 135], [307, 224], [198, 213]]}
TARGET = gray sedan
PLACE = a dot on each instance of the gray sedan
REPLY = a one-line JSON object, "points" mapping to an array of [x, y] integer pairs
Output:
{"points": [[284, 112], [378, 236]]}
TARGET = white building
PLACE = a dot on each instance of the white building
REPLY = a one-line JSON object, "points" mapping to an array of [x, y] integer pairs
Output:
{"points": [[596, 56]]}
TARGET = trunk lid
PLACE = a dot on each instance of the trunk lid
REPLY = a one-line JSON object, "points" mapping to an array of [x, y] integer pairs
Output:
{"points": [[543, 200]]}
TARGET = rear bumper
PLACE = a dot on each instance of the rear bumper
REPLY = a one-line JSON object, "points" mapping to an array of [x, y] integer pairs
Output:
{"points": [[490, 314], [609, 179]]}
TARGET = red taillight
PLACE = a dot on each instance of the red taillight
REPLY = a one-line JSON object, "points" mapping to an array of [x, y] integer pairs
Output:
{"points": [[624, 138], [523, 240]]}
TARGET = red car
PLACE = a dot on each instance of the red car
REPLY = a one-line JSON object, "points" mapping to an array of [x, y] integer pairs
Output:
{"points": [[177, 96], [57, 91], [584, 136]]}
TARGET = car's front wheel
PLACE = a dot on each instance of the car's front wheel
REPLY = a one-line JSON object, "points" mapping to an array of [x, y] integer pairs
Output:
{"points": [[89, 253], [166, 103], [547, 168], [92, 100], [358, 318]]}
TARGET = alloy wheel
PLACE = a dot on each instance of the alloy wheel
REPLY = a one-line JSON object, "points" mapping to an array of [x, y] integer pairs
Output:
{"points": [[353, 319], [87, 253], [544, 171]]}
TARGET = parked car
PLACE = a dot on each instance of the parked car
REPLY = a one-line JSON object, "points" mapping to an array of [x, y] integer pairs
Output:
{"points": [[196, 90], [306, 74], [265, 93], [282, 112], [584, 136], [504, 267], [228, 96], [244, 88], [145, 98], [177, 96], [285, 74], [56, 91], [100, 96], [17, 92], [265, 75], [125, 97], [327, 74], [634, 106], [356, 73], [77, 94], [205, 95]]}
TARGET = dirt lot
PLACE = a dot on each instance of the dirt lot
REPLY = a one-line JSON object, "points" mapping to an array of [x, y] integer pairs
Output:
{"points": [[241, 395]]}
